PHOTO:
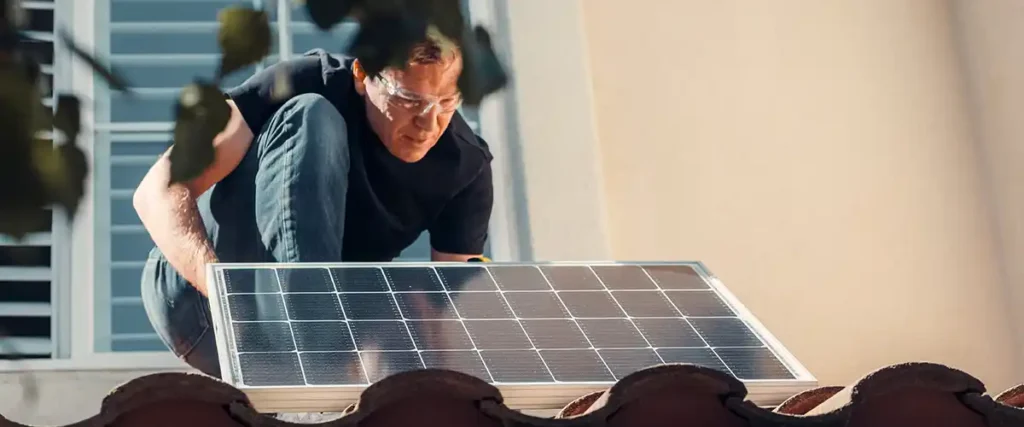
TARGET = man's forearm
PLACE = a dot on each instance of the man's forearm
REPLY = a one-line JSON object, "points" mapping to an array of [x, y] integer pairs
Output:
{"points": [[177, 229]]}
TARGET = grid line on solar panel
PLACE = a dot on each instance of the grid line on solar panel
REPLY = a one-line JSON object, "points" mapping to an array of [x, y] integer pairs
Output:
{"points": [[390, 275], [348, 324], [623, 277], [358, 279], [518, 278], [412, 279], [257, 280], [466, 361], [675, 277], [291, 331], [440, 335], [646, 334], [682, 314], [466, 279], [691, 277], [624, 311], [444, 288], [757, 362], [507, 318], [425, 305], [533, 347], [590, 343], [704, 340], [462, 322], [571, 278], [633, 303], [305, 279]]}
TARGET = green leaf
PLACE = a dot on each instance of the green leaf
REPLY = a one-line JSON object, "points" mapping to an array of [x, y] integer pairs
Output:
{"points": [[68, 118], [325, 14], [19, 221], [201, 114], [244, 38], [113, 79], [30, 66], [76, 167], [63, 170], [15, 119], [41, 116], [24, 195], [482, 72]]}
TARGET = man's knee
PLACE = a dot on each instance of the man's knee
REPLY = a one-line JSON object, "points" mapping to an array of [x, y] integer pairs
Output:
{"points": [[307, 126], [317, 114], [302, 181]]}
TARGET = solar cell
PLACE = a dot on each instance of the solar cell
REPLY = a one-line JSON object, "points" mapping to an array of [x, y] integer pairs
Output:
{"points": [[335, 328], [623, 361], [311, 279], [365, 279], [466, 279]]}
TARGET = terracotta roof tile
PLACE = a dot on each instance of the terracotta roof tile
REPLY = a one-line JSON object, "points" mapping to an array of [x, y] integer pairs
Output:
{"points": [[801, 403], [913, 394], [1013, 396]]}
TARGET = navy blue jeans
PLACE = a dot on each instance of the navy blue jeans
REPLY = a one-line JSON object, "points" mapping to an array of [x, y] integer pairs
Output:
{"points": [[285, 202]]}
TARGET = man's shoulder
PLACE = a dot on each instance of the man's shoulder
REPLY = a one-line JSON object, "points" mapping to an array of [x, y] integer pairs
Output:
{"points": [[333, 73], [318, 62]]}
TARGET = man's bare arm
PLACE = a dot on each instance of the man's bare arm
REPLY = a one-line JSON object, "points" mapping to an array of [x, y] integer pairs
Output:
{"points": [[170, 214]]}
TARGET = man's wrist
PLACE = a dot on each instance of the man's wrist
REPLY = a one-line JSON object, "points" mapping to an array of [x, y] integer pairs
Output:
{"points": [[199, 273]]}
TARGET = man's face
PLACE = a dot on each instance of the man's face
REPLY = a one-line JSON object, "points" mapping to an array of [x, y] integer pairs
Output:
{"points": [[409, 109]]}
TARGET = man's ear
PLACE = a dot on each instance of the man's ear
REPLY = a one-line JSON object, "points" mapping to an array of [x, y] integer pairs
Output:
{"points": [[359, 77]]}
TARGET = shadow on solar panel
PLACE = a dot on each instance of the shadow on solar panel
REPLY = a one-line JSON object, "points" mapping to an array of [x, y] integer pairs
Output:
{"points": [[311, 337]]}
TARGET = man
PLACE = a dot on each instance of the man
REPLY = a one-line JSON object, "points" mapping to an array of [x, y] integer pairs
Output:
{"points": [[349, 168]]}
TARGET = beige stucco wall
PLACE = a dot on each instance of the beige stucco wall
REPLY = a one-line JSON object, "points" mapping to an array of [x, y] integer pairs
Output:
{"points": [[820, 158], [994, 63]]}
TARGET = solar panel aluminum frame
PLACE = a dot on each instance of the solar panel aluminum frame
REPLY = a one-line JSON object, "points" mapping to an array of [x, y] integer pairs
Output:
{"points": [[540, 396]]}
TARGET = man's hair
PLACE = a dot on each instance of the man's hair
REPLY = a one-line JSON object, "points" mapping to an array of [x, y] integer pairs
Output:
{"points": [[436, 49]]}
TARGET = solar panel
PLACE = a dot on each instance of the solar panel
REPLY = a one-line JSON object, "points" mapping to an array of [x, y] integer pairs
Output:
{"points": [[311, 337]]}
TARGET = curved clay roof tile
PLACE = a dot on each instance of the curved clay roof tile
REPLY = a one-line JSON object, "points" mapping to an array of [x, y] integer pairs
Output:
{"points": [[911, 394], [801, 403], [1013, 397]]}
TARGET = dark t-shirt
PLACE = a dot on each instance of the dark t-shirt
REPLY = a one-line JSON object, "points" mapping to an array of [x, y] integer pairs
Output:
{"points": [[390, 203]]}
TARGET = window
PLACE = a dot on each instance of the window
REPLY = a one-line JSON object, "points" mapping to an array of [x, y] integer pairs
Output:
{"points": [[159, 45]]}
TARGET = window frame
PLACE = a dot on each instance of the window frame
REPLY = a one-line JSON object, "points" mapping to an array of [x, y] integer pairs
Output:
{"points": [[61, 237], [80, 293]]}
